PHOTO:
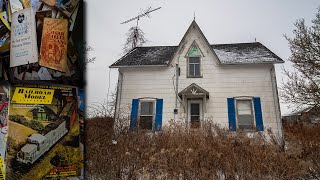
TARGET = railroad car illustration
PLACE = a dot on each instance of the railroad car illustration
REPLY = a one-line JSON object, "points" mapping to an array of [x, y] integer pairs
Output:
{"points": [[38, 144]]}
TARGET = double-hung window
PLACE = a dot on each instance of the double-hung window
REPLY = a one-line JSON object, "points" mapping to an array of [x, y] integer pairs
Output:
{"points": [[245, 115], [146, 115], [194, 61], [194, 66]]}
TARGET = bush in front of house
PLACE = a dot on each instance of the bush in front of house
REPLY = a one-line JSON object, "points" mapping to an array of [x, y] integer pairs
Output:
{"points": [[210, 153]]}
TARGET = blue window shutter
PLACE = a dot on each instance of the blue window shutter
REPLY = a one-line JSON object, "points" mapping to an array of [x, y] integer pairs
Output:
{"points": [[158, 119], [258, 113], [134, 113], [232, 115]]}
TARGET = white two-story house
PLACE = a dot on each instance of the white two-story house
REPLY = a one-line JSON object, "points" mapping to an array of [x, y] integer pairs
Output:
{"points": [[233, 85]]}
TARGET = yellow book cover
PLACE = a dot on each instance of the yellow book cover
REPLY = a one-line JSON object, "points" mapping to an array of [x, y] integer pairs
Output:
{"points": [[54, 44], [4, 19], [44, 126]]}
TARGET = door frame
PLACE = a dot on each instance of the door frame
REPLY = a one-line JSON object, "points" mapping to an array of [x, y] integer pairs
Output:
{"points": [[194, 101]]}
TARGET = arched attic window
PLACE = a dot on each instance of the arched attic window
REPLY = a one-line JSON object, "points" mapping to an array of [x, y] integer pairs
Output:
{"points": [[194, 61]]}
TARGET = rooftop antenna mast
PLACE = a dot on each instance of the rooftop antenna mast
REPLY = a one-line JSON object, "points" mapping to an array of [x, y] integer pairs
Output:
{"points": [[137, 32]]}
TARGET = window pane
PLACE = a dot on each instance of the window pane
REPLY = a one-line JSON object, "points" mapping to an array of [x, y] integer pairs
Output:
{"points": [[197, 69], [244, 107], [191, 69], [146, 108], [195, 109], [245, 119], [145, 122], [194, 60]]}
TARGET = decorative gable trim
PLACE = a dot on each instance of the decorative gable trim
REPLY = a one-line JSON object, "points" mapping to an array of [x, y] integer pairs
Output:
{"points": [[194, 89], [182, 43], [194, 45]]}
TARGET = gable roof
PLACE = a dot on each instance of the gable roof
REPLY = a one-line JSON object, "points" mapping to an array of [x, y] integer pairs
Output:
{"points": [[182, 43], [245, 53], [146, 56], [238, 53]]}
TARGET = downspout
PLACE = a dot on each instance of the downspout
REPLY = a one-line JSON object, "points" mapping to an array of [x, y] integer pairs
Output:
{"points": [[119, 92], [177, 73], [176, 89], [277, 103]]}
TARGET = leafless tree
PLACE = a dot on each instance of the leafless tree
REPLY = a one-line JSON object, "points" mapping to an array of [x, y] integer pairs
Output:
{"points": [[302, 86], [88, 58], [135, 38], [104, 109]]}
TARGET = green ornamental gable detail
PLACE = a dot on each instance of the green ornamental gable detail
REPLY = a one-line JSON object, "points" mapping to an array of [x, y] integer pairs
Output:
{"points": [[194, 52]]}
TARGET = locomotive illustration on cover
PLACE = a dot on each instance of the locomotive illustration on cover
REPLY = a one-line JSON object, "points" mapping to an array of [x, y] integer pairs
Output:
{"points": [[44, 132]]}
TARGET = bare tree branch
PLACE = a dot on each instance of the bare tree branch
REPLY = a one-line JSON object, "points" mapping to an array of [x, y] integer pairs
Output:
{"points": [[303, 85], [135, 38]]}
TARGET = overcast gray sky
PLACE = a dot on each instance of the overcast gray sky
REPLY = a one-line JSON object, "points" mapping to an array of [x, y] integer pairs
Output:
{"points": [[221, 21]]}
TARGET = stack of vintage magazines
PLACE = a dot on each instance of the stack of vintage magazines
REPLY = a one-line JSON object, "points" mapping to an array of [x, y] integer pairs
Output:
{"points": [[41, 89]]}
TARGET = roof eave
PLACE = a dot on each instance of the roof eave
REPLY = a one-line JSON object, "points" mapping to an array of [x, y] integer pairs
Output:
{"points": [[251, 63], [138, 66]]}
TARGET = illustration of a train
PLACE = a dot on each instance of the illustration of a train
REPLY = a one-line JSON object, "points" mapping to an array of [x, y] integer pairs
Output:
{"points": [[38, 144]]}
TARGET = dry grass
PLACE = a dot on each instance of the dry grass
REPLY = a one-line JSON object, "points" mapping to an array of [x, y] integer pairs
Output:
{"points": [[19, 132], [212, 153]]}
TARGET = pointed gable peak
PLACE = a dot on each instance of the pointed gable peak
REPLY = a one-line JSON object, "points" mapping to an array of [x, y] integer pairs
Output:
{"points": [[194, 26]]}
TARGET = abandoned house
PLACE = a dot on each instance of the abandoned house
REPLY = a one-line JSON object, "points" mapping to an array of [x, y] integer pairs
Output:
{"points": [[234, 85]]}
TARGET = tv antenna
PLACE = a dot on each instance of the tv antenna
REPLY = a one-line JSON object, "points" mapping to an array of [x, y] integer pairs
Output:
{"points": [[137, 34], [145, 13]]}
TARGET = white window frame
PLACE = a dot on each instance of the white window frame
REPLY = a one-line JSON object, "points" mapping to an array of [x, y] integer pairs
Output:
{"points": [[195, 45], [153, 116], [245, 98], [194, 69]]}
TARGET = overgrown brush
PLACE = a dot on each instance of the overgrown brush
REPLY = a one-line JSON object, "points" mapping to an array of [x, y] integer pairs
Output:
{"points": [[303, 142], [179, 153]]}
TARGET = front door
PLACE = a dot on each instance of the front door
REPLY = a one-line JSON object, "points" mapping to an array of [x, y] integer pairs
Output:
{"points": [[194, 113]]}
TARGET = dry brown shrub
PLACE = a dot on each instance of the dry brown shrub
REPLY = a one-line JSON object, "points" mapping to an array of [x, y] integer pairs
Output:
{"points": [[303, 142], [180, 153]]}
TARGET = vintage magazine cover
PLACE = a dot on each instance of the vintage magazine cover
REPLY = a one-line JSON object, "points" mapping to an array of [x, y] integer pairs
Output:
{"points": [[67, 7], [49, 2], [23, 48], [44, 132], [15, 6], [4, 108], [54, 44]]}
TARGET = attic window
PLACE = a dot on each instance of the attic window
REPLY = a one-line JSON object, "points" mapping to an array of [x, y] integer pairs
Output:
{"points": [[194, 62]]}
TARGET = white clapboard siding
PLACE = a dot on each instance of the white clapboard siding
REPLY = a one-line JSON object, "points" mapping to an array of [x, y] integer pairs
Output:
{"points": [[221, 81]]}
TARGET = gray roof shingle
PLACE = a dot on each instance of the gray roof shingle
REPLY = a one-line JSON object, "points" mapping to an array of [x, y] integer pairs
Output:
{"points": [[245, 53], [145, 56], [240, 53]]}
